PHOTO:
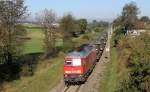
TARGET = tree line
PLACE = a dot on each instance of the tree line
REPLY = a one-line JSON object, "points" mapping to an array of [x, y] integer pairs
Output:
{"points": [[133, 60], [68, 27]]}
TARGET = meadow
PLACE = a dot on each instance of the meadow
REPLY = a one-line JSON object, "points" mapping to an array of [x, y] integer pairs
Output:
{"points": [[35, 43]]}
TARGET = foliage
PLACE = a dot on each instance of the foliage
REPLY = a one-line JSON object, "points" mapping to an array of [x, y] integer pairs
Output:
{"points": [[11, 30], [11, 38], [67, 25], [118, 33], [129, 15], [139, 75], [46, 20], [12, 11], [128, 18], [138, 63], [145, 19], [83, 25], [96, 23]]}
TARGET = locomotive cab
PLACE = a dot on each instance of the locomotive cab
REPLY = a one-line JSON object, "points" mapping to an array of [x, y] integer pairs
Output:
{"points": [[73, 70]]}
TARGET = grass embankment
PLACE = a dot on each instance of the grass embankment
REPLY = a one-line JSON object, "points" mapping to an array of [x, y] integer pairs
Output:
{"points": [[49, 72], [110, 76]]}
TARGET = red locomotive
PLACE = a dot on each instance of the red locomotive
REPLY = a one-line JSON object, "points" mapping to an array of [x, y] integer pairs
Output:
{"points": [[79, 64]]}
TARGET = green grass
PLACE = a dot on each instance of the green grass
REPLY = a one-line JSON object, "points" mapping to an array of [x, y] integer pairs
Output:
{"points": [[110, 79], [35, 44], [30, 25]]}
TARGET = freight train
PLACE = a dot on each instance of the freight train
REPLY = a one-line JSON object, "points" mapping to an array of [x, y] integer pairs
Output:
{"points": [[79, 64]]}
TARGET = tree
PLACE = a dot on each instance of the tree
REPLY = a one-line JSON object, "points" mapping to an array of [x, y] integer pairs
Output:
{"points": [[138, 64], [128, 18], [83, 25], [67, 25], [46, 19], [94, 23], [103, 24], [11, 12], [129, 15], [145, 19], [138, 79], [117, 22]]}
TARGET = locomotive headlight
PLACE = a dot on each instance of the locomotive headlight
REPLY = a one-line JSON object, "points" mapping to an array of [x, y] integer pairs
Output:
{"points": [[67, 71], [78, 71]]}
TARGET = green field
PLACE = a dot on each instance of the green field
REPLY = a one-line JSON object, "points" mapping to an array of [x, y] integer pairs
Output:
{"points": [[35, 44]]}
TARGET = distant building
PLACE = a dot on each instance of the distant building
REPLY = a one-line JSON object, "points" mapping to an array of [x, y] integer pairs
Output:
{"points": [[56, 25], [139, 27]]}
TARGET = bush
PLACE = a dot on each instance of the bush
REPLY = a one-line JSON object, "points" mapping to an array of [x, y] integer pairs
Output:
{"points": [[138, 79], [118, 34], [86, 36], [67, 46]]}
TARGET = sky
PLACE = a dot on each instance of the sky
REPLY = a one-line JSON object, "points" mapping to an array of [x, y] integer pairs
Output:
{"points": [[90, 9]]}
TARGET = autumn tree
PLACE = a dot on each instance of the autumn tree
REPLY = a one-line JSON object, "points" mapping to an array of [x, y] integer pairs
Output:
{"points": [[46, 20], [11, 12]]}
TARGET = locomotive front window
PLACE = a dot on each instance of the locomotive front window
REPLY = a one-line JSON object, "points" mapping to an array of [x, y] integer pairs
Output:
{"points": [[68, 62]]}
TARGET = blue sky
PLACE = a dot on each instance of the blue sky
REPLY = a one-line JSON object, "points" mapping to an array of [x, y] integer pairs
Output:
{"points": [[90, 9]]}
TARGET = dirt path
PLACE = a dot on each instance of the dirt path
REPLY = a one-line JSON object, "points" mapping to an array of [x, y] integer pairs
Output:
{"points": [[93, 82]]}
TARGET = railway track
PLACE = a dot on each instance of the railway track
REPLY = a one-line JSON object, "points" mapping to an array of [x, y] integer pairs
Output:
{"points": [[75, 88]]}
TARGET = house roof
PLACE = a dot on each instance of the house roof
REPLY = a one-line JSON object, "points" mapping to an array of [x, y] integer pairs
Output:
{"points": [[139, 25]]}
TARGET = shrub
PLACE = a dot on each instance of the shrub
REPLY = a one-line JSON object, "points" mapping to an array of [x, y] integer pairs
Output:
{"points": [[138, 60]]}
